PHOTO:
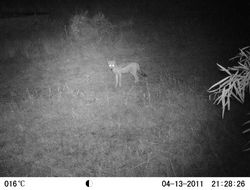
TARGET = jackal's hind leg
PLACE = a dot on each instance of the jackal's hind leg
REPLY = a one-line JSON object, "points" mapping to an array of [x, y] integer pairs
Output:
{"points": [[135, 76]]}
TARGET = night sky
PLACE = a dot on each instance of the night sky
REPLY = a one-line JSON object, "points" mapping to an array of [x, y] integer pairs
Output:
{"points": [[230, 16]]}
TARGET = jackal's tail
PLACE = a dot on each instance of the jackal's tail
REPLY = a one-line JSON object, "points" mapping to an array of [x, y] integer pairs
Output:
{"points": [[142, 73]]}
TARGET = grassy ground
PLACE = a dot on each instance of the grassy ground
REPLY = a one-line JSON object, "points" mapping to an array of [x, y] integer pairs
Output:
{"points": [[62, 116]]}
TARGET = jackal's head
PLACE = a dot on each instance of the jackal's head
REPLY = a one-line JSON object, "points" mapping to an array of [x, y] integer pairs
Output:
{"points": [[111, 64]]}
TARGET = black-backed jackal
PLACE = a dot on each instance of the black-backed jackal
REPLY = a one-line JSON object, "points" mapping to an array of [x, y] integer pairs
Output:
{"points": [[132, 68]]}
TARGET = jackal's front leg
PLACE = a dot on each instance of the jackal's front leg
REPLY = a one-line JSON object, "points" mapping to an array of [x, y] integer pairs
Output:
{"points": [[116, 80], [120, 80]]}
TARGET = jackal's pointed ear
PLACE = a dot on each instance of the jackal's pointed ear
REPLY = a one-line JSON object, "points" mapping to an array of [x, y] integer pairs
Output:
{"points": [[108, 61]]}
